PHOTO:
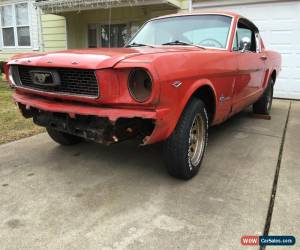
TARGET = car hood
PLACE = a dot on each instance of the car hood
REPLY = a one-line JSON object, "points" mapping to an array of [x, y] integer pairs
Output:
{"points": [[90, 58]]}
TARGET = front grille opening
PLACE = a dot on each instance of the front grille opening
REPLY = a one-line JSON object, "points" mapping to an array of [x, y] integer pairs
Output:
{"points": [[72, 81]]}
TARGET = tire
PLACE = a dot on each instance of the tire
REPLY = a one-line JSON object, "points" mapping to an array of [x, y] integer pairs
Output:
{"points": [[183, 156], [63, 138], [264, 104]]}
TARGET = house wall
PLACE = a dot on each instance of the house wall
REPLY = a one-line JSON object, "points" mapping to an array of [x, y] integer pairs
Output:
{"points": [[54, 33], [183, 4]]}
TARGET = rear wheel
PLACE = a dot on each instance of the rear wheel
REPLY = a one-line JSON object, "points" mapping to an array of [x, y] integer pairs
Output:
{"points": [[264, 104], [184, 150], [63, 138]]}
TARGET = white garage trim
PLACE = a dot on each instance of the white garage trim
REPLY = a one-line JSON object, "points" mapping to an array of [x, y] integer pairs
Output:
{"points": [[221, 3]]}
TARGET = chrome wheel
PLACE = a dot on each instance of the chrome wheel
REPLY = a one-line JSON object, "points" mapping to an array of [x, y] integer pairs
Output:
{"points": [[196, 141]]}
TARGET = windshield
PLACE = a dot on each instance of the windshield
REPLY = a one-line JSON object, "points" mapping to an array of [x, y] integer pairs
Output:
{"points": [[202, 30]]}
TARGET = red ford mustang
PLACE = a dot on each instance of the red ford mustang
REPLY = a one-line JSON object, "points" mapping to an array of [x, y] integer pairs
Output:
{"points": [[176, 77]]}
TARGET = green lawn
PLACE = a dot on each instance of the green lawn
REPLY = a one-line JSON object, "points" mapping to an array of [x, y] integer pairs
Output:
{"points": [[12, 124]]}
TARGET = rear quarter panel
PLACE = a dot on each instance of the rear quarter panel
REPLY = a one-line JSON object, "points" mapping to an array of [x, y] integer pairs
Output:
{"points": [[274, 62]]}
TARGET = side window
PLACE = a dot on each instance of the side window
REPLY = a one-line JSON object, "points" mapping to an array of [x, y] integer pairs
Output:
{"points": [[243, 30]]}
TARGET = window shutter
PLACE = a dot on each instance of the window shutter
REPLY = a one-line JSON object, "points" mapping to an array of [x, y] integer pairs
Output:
{"points": [[34, 27], [1, 42]]}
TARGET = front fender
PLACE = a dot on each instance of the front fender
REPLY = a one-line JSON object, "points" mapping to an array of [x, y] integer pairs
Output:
{"points": [[169, 117], [188, 93]]}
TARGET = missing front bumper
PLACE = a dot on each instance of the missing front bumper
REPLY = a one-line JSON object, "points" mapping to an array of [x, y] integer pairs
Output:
{"points": [[92, 128], [156, 120]]}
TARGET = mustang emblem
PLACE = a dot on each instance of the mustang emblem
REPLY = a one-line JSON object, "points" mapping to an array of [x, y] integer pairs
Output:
{"points": [[40, 78], [44, 78]]}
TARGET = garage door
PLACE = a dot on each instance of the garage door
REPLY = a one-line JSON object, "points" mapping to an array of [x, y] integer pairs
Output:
{"points": [[279, 24]]}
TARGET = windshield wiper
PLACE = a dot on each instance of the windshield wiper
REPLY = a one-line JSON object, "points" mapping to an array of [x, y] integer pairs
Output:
{"points": [[138, 45], [183, 43]]}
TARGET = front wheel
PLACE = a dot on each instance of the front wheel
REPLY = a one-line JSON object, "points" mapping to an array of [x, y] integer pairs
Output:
{"points": [[184, 150], [264, 104], [63, 138]]}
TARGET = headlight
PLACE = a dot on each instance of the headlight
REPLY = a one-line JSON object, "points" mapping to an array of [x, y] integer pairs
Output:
{"points": [[140, 85]]}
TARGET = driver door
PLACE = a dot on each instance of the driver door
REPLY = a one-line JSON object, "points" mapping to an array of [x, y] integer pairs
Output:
{"points": [[250, 64]]}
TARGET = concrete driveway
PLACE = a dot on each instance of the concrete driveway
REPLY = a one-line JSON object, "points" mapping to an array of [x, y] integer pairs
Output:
{"points": [[95, 197]]}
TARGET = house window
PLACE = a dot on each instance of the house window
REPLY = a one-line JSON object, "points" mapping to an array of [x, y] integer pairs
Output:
{"points": [[98, 35], [15, 25], [92, 37], [118, 35]]}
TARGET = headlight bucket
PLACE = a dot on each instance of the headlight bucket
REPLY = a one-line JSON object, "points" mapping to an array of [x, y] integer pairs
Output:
{"points": [[12, 75], [140, 85]]}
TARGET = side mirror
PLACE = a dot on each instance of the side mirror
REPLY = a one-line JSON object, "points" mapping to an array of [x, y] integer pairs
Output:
{"points": [[245, 44]]}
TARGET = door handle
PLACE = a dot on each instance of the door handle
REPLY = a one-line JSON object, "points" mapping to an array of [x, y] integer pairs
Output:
{"points": [[264, 58]]}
